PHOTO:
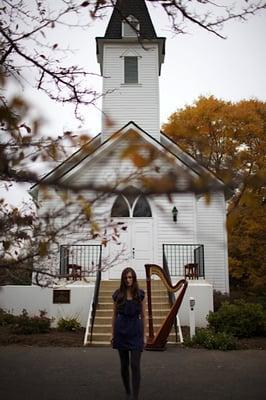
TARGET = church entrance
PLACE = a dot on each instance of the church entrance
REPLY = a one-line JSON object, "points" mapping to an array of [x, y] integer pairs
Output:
{"points": [[136, 244]]}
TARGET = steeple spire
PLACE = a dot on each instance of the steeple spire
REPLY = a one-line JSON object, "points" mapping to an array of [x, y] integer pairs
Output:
{"points": [[122, 10]]}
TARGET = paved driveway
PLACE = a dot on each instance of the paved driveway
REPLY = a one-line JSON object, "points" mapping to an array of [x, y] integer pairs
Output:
{"points": [[34, 373]]}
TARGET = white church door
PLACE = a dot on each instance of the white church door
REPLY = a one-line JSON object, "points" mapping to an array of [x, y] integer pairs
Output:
{"points": [[135, 247], [142, 244]]}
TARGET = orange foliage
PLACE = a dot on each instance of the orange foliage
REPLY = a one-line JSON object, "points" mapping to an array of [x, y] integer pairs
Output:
{"points": [[228, 138]]}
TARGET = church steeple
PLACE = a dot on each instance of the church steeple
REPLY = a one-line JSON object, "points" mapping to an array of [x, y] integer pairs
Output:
{"points": [[121, 13], [130, 55]]}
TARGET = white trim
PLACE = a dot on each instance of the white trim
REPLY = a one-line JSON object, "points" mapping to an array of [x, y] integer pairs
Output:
{"points": [[226, 261], [87, 331], [130, 53], [155, 231]]}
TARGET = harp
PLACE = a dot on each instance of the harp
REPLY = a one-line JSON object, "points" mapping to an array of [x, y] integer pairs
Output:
{"points": [[158, 341]]}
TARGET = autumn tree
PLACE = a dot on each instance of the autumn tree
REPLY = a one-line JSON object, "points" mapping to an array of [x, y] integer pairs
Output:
{"points": [[247, 242], [227, 138]]}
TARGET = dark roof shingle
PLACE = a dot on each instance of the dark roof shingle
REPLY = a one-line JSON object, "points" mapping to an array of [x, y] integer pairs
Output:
{"points": [[122, 10]]}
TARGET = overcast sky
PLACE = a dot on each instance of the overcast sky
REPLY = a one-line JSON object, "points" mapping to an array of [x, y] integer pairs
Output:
{"points": [[198, 63]]}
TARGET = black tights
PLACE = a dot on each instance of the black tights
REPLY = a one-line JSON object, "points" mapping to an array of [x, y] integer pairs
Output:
{"points": [[135, 369]]}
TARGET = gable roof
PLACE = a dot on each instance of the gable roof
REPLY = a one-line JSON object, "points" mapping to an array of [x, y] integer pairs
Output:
{"points": [[95, 147], [124, 8]]}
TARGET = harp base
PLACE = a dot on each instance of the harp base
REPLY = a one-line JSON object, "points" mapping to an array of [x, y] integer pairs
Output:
{"points": [[155, 348], [150, 346]]}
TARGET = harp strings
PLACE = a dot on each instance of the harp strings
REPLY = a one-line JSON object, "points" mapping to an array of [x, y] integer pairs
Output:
{"points": [[157, 271]]}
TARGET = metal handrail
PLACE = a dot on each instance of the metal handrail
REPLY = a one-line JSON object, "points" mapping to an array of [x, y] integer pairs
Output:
{"points": [[88, 325], [96, 295]]}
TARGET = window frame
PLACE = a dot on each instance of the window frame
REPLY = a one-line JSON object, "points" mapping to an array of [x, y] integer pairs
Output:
{"points": [[131, 207], [127, 24], [126, 66]]}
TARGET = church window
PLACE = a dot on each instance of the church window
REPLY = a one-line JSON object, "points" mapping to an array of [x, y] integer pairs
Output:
{"points": [[131, 204], [131, 69], [130, 27], [131, 193], [120, 207], [142, 208]]}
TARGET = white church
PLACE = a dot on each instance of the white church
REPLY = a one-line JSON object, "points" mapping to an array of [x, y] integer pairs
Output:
{"points": [[185, 235]]}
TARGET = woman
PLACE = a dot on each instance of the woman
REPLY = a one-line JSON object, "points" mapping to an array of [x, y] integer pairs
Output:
{"points": [[129, 328]]}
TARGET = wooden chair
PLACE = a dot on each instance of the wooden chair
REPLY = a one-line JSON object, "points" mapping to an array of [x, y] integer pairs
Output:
{"points": [[192, 271], [74, 271]]}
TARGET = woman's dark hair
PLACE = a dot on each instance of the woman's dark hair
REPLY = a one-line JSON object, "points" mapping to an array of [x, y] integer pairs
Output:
{"points": [[122, 296]]}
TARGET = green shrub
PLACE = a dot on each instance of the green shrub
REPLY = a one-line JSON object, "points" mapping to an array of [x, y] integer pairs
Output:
{"points": [[211, 340], [239, 319], [218, 299], [68, 324], [6, 318], [25, 325]]}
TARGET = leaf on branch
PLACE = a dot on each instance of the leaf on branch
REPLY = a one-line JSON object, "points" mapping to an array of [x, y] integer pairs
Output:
{"points": [[85, 4], [104, 242], [55, 46], [84, 139], [6, 244], [43, 248], [87, 210]]}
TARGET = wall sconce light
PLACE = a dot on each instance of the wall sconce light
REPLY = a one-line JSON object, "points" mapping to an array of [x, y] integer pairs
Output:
{"points": [[174, 213]]}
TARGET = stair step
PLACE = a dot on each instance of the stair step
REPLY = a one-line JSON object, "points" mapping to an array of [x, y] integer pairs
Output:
{"points": [[106, 297], [155, 306], [108, 320]]}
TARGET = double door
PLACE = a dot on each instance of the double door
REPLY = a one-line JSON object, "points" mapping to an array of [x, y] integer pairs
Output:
{"points": [[135, 248]]}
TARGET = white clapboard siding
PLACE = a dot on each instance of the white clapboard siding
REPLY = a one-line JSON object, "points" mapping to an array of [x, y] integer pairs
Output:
{"points": [[131, 102], [170, 232], [211, 231]]}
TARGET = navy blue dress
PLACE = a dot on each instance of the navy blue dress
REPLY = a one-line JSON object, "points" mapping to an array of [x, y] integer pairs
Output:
{"points": [[128, 328]]}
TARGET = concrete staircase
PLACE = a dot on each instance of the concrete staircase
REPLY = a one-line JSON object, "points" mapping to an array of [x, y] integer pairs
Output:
{"points": [[102, 324]]}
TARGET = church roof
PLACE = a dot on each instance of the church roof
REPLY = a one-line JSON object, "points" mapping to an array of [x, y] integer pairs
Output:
{"points": [[95, 145], [136, 8]]}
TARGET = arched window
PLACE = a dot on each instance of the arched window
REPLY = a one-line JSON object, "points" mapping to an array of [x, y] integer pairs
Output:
{"points": [[130, 27], [131, 204], [120, 207], [142, 208], [131, 193]]}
